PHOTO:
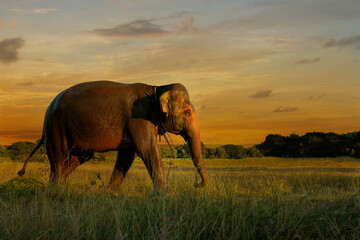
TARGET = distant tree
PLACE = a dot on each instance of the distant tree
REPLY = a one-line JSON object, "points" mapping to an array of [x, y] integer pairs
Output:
{"points": [[203, 149], [356, 150], [210, 153], [318, 144], [235, 151], [20, 150], [254, 152], [2, 151], [314, 144], [226, 151], [221, 152], [182, 151], [166, 153]]}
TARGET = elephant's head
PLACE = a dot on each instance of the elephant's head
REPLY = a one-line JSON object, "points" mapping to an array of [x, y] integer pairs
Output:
{"points": [[180, 118]]}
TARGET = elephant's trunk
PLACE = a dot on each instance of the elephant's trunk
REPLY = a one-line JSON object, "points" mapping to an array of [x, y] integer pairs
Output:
{"points": [[194, 143]]}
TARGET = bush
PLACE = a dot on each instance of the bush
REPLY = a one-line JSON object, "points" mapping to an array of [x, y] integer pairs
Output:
{"points": [[182, 151], [254, 152], [167, 153], [102, 156], [20, 150], [221, 152], [235, 151], [226, 151], [3, 151]]}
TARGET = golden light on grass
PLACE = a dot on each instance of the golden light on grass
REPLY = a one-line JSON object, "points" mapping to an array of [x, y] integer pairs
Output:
{"points": [[270, 198]]}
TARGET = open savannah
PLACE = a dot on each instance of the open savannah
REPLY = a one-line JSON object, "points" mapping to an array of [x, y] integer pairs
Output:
{"points": [[260, 97], [251, 198]]}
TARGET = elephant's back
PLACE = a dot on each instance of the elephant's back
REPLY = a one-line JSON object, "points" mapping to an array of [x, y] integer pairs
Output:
{"points": [[93, 109], [98, 90], [97, 95]]}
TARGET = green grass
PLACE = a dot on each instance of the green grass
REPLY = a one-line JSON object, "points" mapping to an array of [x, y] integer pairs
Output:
{"points": [[266, 198]]}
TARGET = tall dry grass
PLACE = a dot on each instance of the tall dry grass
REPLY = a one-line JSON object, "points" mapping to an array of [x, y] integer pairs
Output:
{"points": [[266, 198]]}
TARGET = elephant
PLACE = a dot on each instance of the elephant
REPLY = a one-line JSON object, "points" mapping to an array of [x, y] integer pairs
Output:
{"points": [[103, 116]]}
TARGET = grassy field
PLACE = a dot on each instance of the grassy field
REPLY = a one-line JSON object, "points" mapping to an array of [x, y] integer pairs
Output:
{"points": [[264, 198]]}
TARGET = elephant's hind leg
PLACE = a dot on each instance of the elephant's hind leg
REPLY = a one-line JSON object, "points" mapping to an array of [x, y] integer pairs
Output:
{"points": [[57, 149], [57, 160], [71, 163], [125, 158]]}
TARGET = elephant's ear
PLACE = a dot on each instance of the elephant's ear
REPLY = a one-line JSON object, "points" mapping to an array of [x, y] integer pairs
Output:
{"points": [[164, 103]]}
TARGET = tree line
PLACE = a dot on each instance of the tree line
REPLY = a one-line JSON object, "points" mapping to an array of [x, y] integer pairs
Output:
{"points": [[225, 151], [20, 150], [314, 144]]}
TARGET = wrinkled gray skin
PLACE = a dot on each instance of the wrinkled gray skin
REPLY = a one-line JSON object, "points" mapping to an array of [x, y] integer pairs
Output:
{"points": [[102, 116]]}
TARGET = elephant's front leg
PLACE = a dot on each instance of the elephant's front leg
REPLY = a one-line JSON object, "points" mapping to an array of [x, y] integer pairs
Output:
{"points": [[125, 158], [144, 137], [154, 166]]}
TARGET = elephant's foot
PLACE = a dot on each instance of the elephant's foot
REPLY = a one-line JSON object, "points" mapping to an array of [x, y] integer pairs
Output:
{"points": [[200, 185], [159, 192]]}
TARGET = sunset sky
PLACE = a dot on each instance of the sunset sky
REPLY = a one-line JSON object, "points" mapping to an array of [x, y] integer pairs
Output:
{"points": [[251, 67]]}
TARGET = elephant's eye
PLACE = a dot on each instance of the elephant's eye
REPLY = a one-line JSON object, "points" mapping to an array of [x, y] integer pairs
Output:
{"points": [[187, 112]]}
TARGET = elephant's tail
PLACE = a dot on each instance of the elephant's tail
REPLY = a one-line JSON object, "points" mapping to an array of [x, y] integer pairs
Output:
{"points": [[22, 171]]}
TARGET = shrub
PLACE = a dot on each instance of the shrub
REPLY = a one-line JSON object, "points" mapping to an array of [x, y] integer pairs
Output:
{"points": [[254, 152], [20, 150], [221, 152], [3, 151], [167, 153]]}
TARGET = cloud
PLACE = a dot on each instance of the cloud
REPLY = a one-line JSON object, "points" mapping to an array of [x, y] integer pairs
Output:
{"points": [[147, 28], [353, 41], [316, 97], [26, 84], [34, 11], [9, 49], [308, 61], [137, 28], [261, 94], [286, 109], [321, 96], [186, 25]]}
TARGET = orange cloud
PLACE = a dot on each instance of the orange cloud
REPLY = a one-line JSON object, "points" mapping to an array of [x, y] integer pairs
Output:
{"points": [[285, 109], [261, 94], [186, 25], [12, 24], [308, 61], [34, 11]]}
